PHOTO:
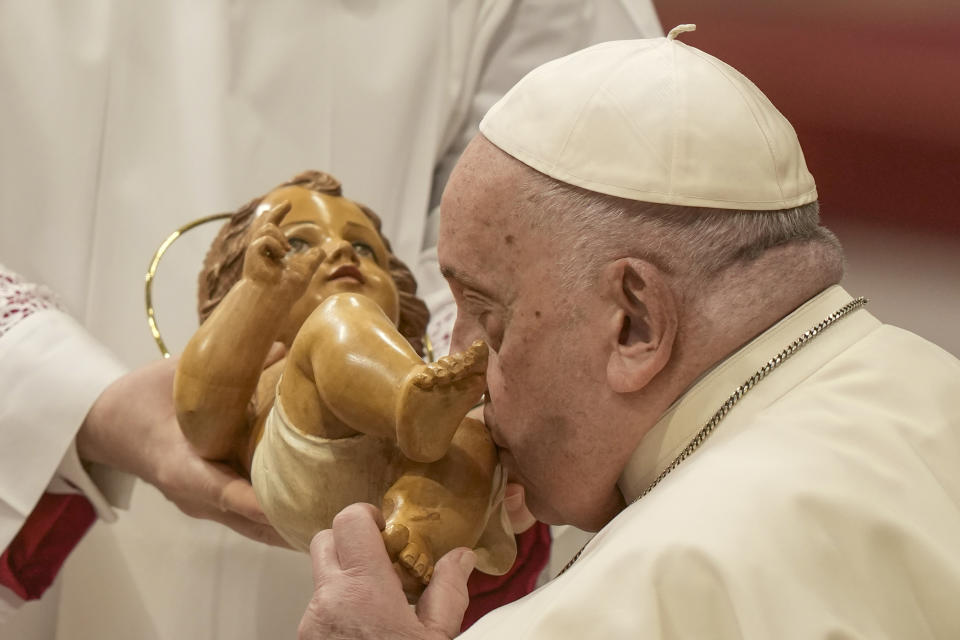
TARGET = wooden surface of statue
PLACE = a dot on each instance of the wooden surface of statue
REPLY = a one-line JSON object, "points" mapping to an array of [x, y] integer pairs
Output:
{"points": [[352, 413]]}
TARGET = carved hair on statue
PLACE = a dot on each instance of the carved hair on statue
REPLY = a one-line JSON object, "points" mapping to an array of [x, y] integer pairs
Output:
{"points": [[223, 265]]}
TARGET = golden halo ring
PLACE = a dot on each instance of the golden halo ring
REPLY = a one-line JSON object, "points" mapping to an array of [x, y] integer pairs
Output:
{"points": [[152, 273]]}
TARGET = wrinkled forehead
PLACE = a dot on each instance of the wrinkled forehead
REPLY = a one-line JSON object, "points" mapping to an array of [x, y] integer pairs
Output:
{"points": [[308, 206], [481, 233]]}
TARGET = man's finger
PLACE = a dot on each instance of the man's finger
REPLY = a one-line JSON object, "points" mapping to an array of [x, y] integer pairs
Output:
{"points": [[356, 531], [254, 530], [237, 496], [442, 605], [323, 555]]}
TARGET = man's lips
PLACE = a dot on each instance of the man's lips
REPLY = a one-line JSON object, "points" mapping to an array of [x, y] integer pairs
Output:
{"points": [[491, 422], [503, 453], [347, 271]]}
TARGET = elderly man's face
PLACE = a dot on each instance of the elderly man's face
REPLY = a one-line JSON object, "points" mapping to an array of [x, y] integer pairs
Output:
{"points": [[546, 384]]}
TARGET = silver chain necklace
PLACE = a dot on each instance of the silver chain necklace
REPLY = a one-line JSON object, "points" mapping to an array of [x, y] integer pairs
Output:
{"points": [[736, 396]]}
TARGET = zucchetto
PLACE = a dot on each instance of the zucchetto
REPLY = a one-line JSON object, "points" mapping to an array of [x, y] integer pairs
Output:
{"points": [[653, 120]]}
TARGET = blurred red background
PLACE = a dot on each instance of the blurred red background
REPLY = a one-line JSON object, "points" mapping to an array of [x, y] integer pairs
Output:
{"points": [[872, 88]]}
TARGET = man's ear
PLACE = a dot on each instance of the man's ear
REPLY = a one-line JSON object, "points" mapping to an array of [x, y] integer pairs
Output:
{"points": [[643, 323]]}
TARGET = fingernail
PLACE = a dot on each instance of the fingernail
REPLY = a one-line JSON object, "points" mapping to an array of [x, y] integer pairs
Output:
{"points": [[468, 560]]}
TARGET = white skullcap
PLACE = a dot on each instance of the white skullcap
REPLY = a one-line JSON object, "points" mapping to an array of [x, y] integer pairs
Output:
{"points": [[653, 120]]}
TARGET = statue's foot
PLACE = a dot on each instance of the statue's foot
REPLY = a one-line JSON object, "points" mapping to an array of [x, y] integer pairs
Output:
{"points": [[405, 556], [408, 548], [435, 398], [416, 557], [395, 538]]}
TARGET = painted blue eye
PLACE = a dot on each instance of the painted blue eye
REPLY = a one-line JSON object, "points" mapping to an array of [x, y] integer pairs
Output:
{"points": [[297, 245], [363, 249]]}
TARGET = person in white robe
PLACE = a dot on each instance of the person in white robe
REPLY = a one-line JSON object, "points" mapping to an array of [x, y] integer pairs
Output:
{"points": [[673, 364], [40, 348], [75, 430], [122, 121]]}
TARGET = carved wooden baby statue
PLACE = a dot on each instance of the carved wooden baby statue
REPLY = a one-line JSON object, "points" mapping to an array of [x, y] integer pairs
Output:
{"points": [[352, 413]]}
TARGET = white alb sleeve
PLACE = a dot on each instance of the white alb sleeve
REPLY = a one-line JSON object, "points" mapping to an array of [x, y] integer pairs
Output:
{"points": [[51, 372]]}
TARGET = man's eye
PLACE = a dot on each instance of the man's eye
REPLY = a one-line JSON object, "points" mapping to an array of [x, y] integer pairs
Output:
{"points": [[363, 249], [297, 245], [492, 328]]}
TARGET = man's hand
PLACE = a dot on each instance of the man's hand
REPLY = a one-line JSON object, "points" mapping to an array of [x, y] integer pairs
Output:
{"points": [[357, 593], [132, 427]]}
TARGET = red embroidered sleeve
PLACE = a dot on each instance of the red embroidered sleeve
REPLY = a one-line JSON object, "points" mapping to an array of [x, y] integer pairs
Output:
{"points": [[489, 592], [20, 299], [33, 558], [35, 555]]}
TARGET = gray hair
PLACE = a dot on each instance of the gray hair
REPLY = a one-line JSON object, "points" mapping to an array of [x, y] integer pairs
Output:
{"points": [[692, 243]]}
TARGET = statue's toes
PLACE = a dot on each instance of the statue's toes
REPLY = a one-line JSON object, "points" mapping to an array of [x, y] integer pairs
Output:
{"points": [[479, 347], [416, 561], [475, 357], [423, 562], [443, 375], [425, 379]]}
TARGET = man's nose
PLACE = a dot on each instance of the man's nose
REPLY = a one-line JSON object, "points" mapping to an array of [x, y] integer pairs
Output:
{"points": [[461, 337], [339, 249]]}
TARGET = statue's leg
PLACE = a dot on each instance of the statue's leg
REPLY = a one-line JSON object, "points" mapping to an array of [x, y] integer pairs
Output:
{"points": [[435, 397], [372, 380], [434, 508]]}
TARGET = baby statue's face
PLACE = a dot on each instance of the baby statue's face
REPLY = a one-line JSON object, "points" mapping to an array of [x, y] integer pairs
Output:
{"points": [[356, 258]]}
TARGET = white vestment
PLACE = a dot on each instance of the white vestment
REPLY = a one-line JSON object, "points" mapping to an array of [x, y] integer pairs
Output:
{"points": [[121, 120], [826, 504], [51, 371]]}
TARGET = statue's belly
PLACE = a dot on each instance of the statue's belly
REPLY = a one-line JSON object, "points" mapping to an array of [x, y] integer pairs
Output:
{"points": [[303, 481]]}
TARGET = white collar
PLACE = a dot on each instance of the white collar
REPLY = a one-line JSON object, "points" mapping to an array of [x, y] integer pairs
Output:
{"points": [[674, 430]]}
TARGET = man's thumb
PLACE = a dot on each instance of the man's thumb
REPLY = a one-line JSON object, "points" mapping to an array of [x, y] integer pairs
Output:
{"points": [[442, 605]]}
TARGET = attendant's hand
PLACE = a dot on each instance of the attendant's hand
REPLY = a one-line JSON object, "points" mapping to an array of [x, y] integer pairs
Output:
{"points": [[357, 593], [132, 427]]}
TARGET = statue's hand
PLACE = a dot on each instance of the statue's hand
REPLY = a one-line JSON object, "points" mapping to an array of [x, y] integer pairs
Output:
{"points": [[268, 260]]}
